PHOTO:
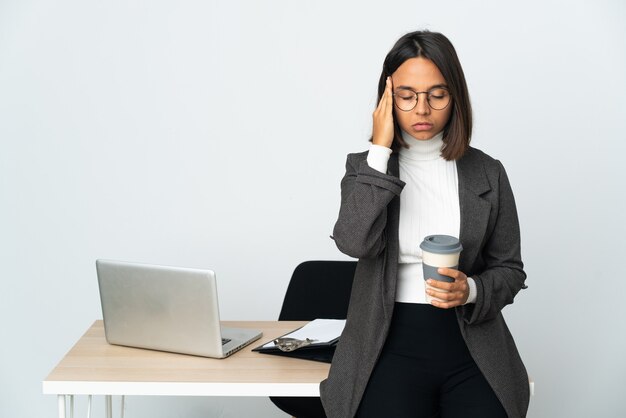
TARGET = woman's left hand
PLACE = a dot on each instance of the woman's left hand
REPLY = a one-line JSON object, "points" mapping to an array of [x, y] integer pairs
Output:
{"points": [[457, 291]]}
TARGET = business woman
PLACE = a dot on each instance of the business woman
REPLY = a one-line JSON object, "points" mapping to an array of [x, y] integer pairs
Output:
{"points": [[400, 356]]}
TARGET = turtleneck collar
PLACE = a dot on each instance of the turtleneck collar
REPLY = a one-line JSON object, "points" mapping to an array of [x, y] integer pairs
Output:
{"points": [[422, 149]]}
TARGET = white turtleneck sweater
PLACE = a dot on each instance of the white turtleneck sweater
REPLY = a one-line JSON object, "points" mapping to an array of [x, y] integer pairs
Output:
{"points": [[429, 204]]}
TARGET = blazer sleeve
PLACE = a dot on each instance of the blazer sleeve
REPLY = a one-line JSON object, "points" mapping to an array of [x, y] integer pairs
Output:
{"points": [[503, 276], [365, 193]]}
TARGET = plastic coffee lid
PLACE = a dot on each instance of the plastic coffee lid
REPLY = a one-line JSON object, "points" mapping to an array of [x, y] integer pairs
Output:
{"points": [[441, 244]]}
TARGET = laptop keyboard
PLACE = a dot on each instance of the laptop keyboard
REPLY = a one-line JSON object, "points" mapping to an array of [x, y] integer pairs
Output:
{"points": [[225, 341]]}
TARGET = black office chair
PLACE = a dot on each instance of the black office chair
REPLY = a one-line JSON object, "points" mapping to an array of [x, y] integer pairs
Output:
{"points": [[317, 289]]}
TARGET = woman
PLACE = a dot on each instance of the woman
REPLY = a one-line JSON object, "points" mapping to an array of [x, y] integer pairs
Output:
{"points": [[400, 356]]}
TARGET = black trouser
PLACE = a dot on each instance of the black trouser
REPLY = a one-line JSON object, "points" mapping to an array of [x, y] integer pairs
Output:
{"points": [[426, 370]]}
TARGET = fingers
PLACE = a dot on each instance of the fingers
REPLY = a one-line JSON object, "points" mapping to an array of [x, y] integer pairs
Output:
{"points": [[446, 291], [387, 95], [445, 305], [448, 286], [385, 100], [455, 274], [447, 299], [448, 295], [383, 128], [442, 285]]}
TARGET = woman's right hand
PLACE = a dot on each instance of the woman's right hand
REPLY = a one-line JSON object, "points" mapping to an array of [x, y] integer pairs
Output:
{"points": [[382, 133]]}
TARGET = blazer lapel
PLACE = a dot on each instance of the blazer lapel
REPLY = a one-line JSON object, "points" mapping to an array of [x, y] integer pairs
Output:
{"points": [[475, 210], [393, 167], [393, 245]]}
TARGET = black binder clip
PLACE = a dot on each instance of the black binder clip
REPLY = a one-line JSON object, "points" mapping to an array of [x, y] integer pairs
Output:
{"points": [[289, 344]]}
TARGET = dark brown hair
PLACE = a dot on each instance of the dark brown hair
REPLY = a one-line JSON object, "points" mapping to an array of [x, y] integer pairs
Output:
{"points": [[437, 48]]}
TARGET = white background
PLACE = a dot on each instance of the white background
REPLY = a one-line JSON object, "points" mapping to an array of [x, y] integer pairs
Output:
{"points": [[208, 134]]}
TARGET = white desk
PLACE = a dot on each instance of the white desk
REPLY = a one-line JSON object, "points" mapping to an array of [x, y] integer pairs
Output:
{"points": [[94, 367]]}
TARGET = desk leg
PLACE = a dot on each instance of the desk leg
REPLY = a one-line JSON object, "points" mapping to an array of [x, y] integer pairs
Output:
{"points": [[61, 403], [108, 402]]}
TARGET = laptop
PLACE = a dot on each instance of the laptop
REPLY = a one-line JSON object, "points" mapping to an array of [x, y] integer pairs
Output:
{"points": [[166, 308]]}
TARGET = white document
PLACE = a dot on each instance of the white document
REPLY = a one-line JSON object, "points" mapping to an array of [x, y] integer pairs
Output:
{"points": [[320, 330]]}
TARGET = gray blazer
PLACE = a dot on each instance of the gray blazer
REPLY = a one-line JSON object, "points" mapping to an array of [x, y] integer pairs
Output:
{"points": [[367, 229]]}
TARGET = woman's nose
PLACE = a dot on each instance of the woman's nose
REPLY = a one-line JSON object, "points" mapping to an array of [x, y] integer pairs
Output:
{"points": [[422, 107]]}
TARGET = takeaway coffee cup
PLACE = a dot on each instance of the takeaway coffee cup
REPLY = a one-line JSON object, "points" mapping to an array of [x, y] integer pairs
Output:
{"points": [[439, 251]]}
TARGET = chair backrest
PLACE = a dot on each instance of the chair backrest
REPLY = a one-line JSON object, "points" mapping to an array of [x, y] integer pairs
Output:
{"points": [[318, 289]]}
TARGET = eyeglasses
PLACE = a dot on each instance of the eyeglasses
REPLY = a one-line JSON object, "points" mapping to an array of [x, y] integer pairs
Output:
{"points": [[438, 98]]}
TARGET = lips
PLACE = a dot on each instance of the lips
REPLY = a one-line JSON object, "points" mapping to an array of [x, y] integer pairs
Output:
{"points": [[422, 126]]}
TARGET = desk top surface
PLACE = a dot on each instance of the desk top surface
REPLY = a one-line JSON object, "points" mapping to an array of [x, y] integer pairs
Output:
{"points": [[93, 366]]}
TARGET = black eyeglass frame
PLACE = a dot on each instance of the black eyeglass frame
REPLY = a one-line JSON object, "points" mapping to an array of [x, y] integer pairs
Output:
{"points": [[417, 98]]}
